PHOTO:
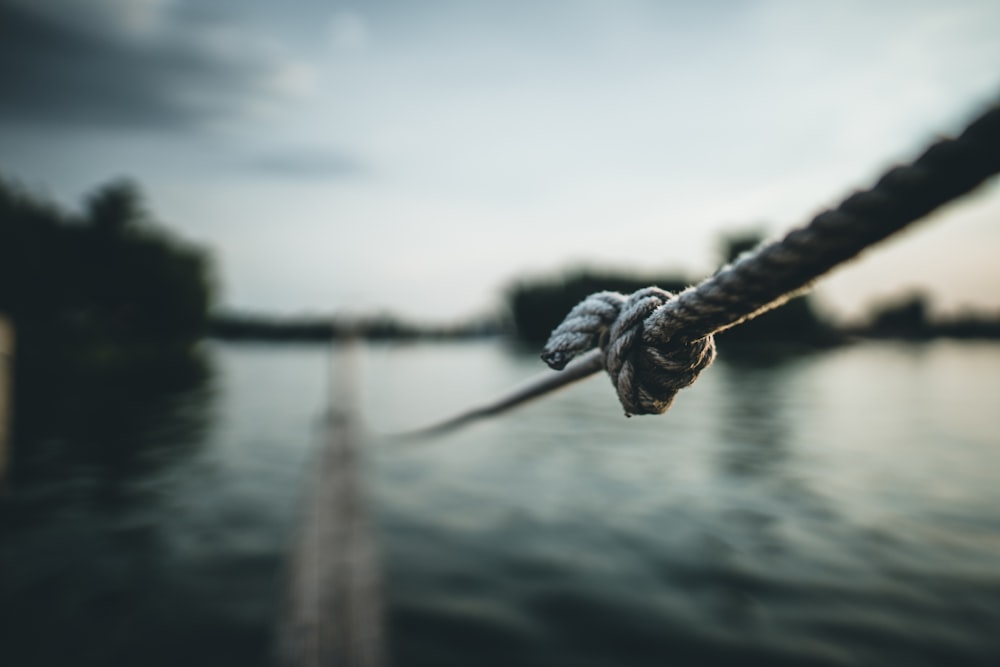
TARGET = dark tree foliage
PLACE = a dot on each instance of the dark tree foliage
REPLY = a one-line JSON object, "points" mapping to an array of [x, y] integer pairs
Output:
{"points": [[265, 328], [110, 274], [795, 322], [538, 306], [904, 318], [106, 305]]}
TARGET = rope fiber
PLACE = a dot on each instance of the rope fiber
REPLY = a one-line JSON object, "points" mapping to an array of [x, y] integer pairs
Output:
{"points": [[654, 343]]}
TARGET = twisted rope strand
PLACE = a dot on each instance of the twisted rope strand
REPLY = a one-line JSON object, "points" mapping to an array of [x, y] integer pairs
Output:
{"points": [[677, 335], [766, 278], [651, 357]]}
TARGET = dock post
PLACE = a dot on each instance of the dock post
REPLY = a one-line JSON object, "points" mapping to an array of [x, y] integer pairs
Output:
{"points": [[6, 395], [333, 610]]}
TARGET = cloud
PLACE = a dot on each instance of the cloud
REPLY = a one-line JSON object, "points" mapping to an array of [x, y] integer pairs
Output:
{"points": [[308, 163], [139, 70], [126, 17], [348, 31]]}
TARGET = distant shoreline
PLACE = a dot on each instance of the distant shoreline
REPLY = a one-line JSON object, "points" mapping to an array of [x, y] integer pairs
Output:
{"points": [[264, 328]]}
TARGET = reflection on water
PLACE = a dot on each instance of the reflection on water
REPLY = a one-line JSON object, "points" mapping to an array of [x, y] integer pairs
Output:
{"points": [[756, 396], [787, 511], [109, 426], [830, 508]]}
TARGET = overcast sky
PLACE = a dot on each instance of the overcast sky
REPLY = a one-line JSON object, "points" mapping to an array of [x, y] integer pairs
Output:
{"points": [[416, 157]]}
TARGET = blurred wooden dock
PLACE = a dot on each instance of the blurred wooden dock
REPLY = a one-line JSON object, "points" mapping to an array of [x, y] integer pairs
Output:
{"points": [[333, 609]]}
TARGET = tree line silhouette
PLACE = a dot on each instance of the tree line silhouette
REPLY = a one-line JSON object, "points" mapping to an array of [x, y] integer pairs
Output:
{"points": [[107, 307], [110, 284], [538, 306], [242, 326], [107, 277]]}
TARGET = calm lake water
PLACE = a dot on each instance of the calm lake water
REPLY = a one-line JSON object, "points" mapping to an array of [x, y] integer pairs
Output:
{"points": [[834, 508]]}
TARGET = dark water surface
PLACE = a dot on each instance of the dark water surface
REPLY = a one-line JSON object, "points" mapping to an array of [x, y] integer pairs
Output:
{"points": [[838, 508]]}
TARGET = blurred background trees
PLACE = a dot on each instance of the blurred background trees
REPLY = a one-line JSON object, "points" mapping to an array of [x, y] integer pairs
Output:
{"points": [[538, 306], [110, 274], [107, 306]]}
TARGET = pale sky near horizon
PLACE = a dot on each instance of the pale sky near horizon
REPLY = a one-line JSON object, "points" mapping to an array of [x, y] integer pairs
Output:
{"points": [[416, 157]]}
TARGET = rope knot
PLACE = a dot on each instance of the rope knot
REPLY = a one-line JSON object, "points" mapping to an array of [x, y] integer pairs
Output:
{"points": [[646, 370]]}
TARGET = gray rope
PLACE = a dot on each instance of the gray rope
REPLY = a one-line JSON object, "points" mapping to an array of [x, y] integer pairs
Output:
{"points": [[583, 366], [654, 343], [647, 374]]}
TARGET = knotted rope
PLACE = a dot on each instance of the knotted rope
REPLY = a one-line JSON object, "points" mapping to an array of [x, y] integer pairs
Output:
{"points": [[653, 343], [646, 372]]}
